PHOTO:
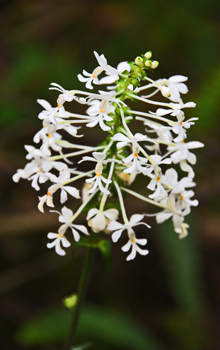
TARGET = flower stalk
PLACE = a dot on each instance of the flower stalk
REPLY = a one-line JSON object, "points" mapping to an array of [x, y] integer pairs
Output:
{"points": [[81, 292]]}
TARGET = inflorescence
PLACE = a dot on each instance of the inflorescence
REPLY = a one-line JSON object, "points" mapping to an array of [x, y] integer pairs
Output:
{"points": [[156, 153]]}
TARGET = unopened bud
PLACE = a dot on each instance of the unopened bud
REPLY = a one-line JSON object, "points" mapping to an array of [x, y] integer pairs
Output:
{"points": [[154, 64], [138, 60], [148, 55], [148, 63], [165, 91]]}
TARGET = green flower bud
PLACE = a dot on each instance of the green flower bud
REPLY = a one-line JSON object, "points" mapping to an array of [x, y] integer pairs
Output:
{"points": [[148, 55], [138, 60], [154, 64], [148, 63]]}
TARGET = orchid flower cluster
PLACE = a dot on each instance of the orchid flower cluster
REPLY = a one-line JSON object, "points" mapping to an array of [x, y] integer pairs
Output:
{"points": [[155, 154]]}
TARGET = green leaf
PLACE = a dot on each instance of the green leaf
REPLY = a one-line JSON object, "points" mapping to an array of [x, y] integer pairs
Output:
{"points": [[181, 261], [99, 325]]}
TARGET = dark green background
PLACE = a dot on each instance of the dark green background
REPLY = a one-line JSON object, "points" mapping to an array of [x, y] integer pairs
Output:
{"points": [[173, 293]]}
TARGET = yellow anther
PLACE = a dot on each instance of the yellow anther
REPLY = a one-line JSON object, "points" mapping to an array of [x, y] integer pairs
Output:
{"points": [[44, 125], [58, 105], [60, 235], [101, 110], [48, 135], [135, 154], [132, 240], [39, 171], [182, 197], [48, 194], [98, 174], [93, 76], [181, 123], [183, 141], [158, 178]]}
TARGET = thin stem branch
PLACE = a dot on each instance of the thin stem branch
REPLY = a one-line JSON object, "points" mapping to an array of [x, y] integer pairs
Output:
{"points": [[82, 287]]}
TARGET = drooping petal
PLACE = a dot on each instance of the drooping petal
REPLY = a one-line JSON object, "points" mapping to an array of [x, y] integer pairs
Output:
{"points": [[81, 228], [63, 196], [127, 246], [72, 191], [65, 242], [75, 234], [163, 216], [58, 248], [116, 235], [133, 253]]}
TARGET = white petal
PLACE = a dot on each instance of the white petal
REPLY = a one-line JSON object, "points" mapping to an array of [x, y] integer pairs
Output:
{"points": [[92, 212], [111, 214], [52, 244], [65, 242], [58, 249], [81, 78], [52, 235], [75, 234], [127, 246], [116, 235], [141, 241], [133, 253], [44, 104], [114, 225], [136, 218], [122, 66], [66, 214], [194, 144], [81, 228], [141, 251], [120, 137], [73, 191], [171, 176], [63, 196], [161, 217], [178, 78]]}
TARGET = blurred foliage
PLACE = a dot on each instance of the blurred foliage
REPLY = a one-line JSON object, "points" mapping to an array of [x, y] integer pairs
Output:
{"points": [[175, 291], [96, 324]]}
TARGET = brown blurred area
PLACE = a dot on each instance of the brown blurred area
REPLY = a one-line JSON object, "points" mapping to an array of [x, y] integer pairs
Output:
{"points": [[175, 291]]}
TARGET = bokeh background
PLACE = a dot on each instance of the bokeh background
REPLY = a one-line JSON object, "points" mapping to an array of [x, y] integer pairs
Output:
{"points": [[167, 300]]}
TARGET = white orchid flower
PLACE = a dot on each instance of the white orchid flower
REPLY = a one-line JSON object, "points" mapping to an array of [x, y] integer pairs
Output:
{"points": [[98, 220]]}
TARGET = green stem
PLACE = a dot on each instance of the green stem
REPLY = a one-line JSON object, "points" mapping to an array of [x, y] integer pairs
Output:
{"points": [[83, 283]]}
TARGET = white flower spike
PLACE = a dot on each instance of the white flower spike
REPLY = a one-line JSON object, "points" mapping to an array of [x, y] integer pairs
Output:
{"points": [[155, 152]]}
